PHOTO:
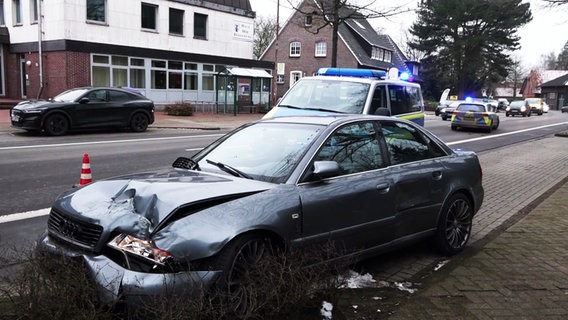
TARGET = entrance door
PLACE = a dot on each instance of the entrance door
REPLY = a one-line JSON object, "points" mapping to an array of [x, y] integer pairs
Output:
{"points": [[23, 77]]}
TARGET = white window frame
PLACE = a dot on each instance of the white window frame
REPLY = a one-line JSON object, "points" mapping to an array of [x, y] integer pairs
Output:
{"points": [[17, 18], [34, 11], [295, 49], [308, 20], [295, 76], [280, 78], [321, 49]]}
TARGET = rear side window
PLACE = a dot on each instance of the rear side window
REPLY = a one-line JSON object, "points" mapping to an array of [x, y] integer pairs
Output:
{"points": [[404, 99], [119, 96], [408, 144]]}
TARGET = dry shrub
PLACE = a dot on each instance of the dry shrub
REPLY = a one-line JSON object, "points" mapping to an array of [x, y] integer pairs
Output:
{"points": [[281, 287], [181, 108]]}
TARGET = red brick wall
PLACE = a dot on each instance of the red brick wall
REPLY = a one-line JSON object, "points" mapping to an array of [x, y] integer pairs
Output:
{"points": [[61, 70], [308, 63]]}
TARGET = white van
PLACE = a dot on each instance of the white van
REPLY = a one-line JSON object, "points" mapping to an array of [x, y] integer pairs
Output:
{"points": [[353, 91]]}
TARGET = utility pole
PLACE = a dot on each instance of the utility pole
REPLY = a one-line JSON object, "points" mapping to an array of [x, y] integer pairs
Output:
{"points": [[276, 53]]}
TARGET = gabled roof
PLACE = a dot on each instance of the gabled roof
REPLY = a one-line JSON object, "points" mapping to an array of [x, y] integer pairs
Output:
{"points": [[558, 82], [360, 37]]}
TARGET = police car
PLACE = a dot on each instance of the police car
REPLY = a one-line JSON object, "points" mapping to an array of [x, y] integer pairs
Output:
{"points": [[353, 91], [475, 115]]}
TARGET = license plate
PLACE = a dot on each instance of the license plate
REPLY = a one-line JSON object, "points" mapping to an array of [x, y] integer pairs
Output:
{"points": [[15, 118]]}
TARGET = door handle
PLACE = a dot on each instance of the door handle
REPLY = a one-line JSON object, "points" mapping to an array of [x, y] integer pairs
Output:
{"points": [[437, 175], [383, 187]]}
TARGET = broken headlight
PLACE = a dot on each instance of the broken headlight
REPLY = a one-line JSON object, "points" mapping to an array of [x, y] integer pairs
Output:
{"points": [[141, 248]]}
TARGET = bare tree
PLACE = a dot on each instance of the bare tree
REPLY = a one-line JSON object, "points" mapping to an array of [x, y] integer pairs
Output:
{"points": [[556, 2], [324, 14], [264, 32]]}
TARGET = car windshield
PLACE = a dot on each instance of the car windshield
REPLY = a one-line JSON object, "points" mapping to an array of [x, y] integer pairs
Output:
{"points": [[263, 151], [534, 101], [471, 107], [517, 104], [325, 94], [70, 95]]}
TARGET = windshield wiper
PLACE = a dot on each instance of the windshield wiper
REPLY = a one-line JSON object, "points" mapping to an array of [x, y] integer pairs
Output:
{"points": [[186, 163], [229, 169], [312, 109]]}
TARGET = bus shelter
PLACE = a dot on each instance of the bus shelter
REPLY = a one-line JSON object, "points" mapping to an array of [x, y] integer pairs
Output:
{"points": [[241, 87]]}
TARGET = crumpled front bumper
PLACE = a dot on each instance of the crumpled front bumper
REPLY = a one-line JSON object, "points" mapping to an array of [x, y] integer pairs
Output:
{"points": [[116, 284]]}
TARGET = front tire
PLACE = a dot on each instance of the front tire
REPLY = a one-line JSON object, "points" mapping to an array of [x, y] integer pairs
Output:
{"points": [[56, 125], [237, 262], [454, 226]]}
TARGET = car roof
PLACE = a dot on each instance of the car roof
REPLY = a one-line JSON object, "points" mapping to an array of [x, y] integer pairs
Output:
{"points": [[361, 80]]}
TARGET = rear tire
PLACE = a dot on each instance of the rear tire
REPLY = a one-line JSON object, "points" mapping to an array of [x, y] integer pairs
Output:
{"points": [[454, 226], [139, 122], [56, 125]]}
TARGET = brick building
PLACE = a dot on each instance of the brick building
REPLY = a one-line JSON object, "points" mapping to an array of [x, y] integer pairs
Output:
{"points": [[304, 45], [169, 50]]}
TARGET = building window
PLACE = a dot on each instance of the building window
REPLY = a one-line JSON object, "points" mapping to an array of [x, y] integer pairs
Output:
{"points": [[295, 76], [176, 21], [387, 56], [208, 77], [96, 10], [137, 73], [2, 21], [175, 71], [17, 12], [2, 69], [295, 49], [308, 21], [149, 16], [200, 26], [159, 74], [280, 78], [321, 49], [33, 11]]}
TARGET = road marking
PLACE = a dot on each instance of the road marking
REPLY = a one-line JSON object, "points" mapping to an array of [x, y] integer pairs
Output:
{"points": [[107, 142], [504, 134], [43, 212], [24, 215]]}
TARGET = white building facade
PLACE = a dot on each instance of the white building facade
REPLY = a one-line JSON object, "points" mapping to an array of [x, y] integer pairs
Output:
{"points": [[169, 50]]}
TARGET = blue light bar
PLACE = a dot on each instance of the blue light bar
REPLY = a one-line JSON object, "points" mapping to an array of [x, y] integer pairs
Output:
{"points": [[352, 72]]}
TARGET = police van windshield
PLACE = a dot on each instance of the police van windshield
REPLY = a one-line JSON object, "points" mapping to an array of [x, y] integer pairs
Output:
{"points": [[323, 94]]}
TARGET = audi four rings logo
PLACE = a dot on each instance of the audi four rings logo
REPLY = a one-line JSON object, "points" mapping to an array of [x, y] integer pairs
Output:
{"points": [[69, 229]]}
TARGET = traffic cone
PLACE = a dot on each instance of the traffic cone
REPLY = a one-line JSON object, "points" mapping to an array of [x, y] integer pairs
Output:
{"points": [[86, 176]]}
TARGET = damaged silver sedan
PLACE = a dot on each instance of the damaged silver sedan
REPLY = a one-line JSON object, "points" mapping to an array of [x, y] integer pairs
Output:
{"points": [[368, 183]]}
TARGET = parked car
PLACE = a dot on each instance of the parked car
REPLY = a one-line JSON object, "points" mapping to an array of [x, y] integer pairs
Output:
{"points": [[365, 183], [475, 115], [545, 107], [85, 107], [518, 107], [446, 112], [564, 109], [502, 104], [536, 105]]}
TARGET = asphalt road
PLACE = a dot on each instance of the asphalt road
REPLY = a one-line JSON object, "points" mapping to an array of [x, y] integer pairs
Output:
{"points": [[35, 169]]}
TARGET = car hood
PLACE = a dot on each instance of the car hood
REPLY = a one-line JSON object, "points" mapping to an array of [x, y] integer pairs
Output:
{"points": [[28, 104], [142, 202]]}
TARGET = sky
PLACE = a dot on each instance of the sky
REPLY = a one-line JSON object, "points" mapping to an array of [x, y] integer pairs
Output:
{"points": [[546, 33]]}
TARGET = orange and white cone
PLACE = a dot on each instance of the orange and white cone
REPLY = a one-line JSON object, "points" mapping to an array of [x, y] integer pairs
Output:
{"points": [[86, 176]]}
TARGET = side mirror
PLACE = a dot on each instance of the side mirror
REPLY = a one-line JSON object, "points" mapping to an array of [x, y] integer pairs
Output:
{"points": [[84, 100], [326, 169]]}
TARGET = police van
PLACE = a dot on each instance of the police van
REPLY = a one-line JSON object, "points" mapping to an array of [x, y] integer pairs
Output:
{"points": [[354, 91]]}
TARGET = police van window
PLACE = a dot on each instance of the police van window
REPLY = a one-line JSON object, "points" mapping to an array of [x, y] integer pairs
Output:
{"points": [[379, 99], [404, 99], [354, 147], [407, 144]]}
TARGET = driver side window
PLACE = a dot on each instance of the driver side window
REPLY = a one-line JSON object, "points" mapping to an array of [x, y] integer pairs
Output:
{"points": [[97, 96], [355, 147]]}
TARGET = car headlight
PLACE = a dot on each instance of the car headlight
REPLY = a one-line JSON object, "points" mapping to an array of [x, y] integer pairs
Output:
{"points": [[523, 109], [508, 109], [443, 110], [32, 110], [139, 247]]}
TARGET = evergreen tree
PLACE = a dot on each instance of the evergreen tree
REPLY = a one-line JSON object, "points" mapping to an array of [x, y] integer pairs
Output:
{"points": [[466, 43]]}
